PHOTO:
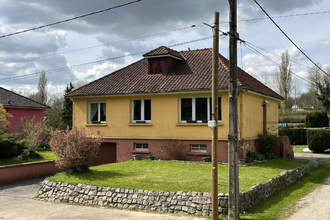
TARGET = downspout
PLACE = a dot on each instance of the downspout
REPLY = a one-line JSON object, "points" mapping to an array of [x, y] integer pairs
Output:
{"points": [[264, 115]]}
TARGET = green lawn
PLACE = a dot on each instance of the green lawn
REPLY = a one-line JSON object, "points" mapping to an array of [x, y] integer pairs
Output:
{"points": [[45, 155], [282, 204], [299, 148], [174, 176]]}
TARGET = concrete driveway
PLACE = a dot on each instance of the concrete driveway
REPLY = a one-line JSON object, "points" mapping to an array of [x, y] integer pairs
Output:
{"points": [[17, 203]]}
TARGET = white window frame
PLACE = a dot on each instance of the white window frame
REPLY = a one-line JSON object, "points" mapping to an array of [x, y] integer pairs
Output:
{"points": [[199, 150], [98, 111], [142, 148], [142, 120], [193, 106]]}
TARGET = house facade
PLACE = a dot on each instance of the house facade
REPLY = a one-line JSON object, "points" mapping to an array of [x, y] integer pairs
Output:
{"points": [[19, 107], [164, 101]]}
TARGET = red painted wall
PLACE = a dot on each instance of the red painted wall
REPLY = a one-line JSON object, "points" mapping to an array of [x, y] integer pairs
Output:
{"points": [[18, 113]]}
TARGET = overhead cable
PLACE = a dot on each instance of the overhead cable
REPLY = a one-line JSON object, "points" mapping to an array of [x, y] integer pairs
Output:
{"points": [[290, 39], [70, 19]]}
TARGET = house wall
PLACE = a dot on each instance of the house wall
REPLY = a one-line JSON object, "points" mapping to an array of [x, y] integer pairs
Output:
{"points": [[18, 113], [251, 115], [165, 123]]}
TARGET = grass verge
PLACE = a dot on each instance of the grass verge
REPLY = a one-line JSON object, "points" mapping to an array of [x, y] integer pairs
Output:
{"points": [[300, 148], [282, 204], [174, 176], [44, 155]]}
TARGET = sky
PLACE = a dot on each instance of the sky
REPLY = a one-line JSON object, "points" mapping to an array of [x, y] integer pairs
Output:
{"points": [[88, 48]]}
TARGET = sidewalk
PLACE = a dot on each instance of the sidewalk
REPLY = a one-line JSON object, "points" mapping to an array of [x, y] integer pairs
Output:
{"points": [[18, 204]]}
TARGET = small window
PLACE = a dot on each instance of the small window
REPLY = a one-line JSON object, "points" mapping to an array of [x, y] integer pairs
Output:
{"points": [[202, 148], [97, 112], [141, 111], [141, 147]]}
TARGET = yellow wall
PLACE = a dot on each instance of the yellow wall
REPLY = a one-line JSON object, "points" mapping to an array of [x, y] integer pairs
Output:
{"points": [[251, 114], [165, 117]]}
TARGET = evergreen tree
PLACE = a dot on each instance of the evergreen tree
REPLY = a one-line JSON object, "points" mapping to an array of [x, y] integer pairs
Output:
{"points": [[67, 108]]}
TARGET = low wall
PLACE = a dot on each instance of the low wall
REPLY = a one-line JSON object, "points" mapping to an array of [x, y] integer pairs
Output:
{"points": [[17, 172], [193, 203]]}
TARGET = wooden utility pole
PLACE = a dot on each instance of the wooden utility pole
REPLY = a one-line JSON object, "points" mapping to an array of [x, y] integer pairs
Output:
{"points": [[233, 203], [215, 109]]}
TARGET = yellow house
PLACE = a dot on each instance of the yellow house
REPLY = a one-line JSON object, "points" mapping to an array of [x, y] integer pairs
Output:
{"points": [[160, 105]]}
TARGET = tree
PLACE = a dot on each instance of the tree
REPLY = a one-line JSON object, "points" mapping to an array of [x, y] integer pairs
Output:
{"points": [[53, 115], [41, 95], [67, 108], [284, 77], [315, 76], [4, 117], [323, 93]]}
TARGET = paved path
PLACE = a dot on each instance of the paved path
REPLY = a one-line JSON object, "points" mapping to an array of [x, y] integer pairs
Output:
{"points": [[315, 205], [17, 204]]}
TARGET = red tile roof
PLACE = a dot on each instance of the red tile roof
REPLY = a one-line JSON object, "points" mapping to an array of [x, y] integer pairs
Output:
{"points": [[193, 73]]}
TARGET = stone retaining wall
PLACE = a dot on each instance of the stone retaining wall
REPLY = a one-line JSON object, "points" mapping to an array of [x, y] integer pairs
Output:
{"points": [[193, 203]]}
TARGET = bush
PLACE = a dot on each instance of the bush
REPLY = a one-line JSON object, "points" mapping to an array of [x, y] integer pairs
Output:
{"points": [[297, 136], [317, 120], [175, 149], [10, 145], [266, 141], [76, 148], [318, 140], [31, 132]]}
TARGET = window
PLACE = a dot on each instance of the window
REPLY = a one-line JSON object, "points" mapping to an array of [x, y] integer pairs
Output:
{"points": [[198, 148], [97, 112], [197, 110], [141, 111], [140, 147]]}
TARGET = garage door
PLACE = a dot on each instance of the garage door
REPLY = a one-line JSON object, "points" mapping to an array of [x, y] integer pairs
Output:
{"points": [[107, 154]]}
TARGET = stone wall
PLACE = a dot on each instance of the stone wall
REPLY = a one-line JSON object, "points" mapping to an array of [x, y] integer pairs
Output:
{"points": [[193, 203]]}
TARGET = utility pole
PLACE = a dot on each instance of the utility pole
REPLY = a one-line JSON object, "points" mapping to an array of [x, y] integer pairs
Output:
{"points": [[233, 203], [215, 109]]}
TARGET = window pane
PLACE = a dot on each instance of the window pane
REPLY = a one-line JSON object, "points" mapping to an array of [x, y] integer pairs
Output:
{"points": [[137, 110], [94, 112], [103, 112], [147, 109], [198, 148], [186, 109], [219, 108], [201, 108], [141, 147]]}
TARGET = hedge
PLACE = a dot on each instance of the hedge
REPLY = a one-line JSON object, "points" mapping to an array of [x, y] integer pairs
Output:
{"points": [[317, 120], [318, 140], [297, 136]]}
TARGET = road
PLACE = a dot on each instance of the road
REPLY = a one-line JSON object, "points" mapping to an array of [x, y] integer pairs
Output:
{"points": [[17, 203], [315, 205]]}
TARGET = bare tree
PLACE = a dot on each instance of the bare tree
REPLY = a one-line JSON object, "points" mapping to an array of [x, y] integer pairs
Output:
{"points": [[284, 77]]}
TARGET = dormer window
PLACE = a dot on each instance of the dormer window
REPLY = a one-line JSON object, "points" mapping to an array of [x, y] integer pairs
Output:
{"points": [[162, 60]]}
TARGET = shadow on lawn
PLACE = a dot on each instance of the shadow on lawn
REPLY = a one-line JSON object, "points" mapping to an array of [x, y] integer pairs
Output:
{"points": [[101, 175]]}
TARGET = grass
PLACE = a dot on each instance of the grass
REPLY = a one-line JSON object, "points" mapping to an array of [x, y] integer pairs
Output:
{"points": [[174, 176], [282, 204], [299, 148], [44, 155]]}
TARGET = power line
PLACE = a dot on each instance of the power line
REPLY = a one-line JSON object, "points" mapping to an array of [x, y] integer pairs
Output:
{"points": [[106, 44], [251, 47], [70, 19], [290, 39], [95, 62], [286, 16]]}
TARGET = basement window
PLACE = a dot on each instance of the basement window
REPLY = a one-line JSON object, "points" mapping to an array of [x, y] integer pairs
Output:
{"points": [[198, 148]]}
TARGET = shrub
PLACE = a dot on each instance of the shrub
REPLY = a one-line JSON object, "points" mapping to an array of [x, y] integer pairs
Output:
{"points": [[31, 132], [297, 136], [175, 149], [317, 120], [76, 148], [10, 145], [266, 141], [318, 140]]}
